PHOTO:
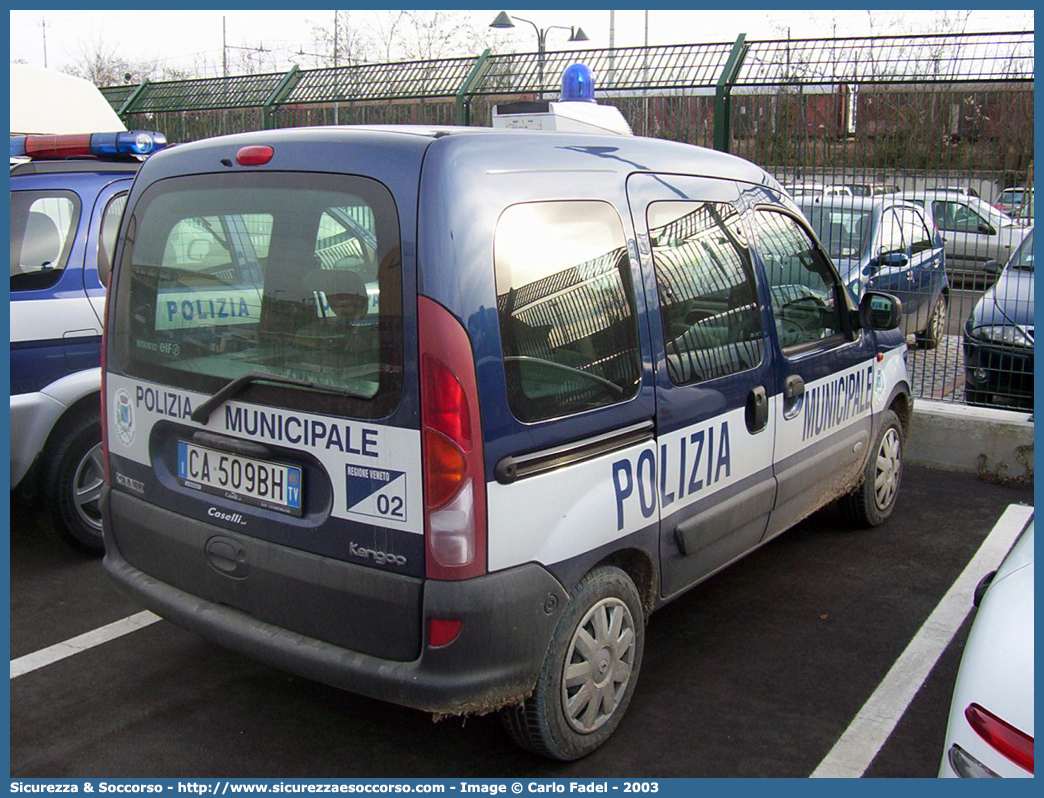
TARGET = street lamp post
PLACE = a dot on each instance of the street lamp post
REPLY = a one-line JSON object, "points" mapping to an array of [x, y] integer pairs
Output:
{"points": [[576, 34]]}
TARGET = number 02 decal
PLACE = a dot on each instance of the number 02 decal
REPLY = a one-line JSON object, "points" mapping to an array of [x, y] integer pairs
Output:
{"points": [[376, 492]]}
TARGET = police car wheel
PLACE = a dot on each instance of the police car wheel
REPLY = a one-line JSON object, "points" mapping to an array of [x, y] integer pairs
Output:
{"points": [[872, 502], [589, 673], [73, 482]]}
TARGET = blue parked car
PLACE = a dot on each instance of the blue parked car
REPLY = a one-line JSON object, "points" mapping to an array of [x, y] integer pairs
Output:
{"points": [[67, 198], [884, 244], [998, 336]]}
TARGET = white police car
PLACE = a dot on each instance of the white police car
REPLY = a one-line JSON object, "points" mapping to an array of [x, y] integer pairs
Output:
{"points": [[440, 415], [67, 195]]}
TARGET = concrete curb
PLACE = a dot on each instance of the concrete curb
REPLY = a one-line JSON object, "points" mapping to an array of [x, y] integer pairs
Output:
{"points": [[954, 437]]}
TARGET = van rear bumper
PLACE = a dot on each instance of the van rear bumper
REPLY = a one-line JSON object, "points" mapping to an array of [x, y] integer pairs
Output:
{"points": [[507, 621]]}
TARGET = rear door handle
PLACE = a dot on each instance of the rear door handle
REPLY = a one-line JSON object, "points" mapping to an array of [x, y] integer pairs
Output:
{"points": [[793, 390], [793, 386]]}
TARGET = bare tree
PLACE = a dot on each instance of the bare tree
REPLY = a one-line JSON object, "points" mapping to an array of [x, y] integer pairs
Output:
{"points": [[100, 63], [396, 35], [347, 40], [440, 34], [386, 24]]}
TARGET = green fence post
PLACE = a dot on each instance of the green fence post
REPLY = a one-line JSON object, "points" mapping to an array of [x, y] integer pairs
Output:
{"points": [[125, 109], [279, 93], [723, 94], [477, 73]]}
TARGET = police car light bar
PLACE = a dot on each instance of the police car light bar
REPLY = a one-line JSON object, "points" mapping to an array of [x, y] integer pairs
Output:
{"points": [[79, 145], [576, 112]]}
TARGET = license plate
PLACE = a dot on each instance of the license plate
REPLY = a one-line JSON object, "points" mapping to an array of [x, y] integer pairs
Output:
{"points": [[273, 486]]}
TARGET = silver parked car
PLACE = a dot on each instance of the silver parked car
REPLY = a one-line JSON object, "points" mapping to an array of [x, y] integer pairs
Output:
{"points": [[974, 232]]}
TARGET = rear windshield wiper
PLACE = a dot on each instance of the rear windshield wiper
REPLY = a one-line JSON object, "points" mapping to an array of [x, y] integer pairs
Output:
{"points": [[201, 415]]}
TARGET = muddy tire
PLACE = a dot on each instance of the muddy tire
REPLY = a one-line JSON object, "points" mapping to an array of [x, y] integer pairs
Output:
{"points": [[589, 673], [872, 502]]}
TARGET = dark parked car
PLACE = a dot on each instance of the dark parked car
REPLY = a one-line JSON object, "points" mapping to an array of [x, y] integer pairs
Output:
{"points": [[886, 244], [998, 337]]}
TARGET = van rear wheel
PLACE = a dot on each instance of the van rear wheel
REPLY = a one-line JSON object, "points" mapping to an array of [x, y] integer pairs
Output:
{"points": [[589, 673], [72, 484]]}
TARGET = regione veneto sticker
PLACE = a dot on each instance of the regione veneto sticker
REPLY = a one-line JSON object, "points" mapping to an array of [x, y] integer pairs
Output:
{"points": [[376, 492]]}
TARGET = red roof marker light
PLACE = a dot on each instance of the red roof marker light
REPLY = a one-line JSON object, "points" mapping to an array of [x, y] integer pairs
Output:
{"points": [[255, 155]]}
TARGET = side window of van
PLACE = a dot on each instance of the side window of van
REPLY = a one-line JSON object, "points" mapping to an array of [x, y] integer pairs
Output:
{"points": [[43, 225], [804, 290], [110, 226], [708, 296], [566, 307]]}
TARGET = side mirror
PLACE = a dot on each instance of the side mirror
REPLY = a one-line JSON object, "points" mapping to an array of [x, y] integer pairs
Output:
{"points": [[993, 267], [894, 259], [879, 311], [987, 229]]}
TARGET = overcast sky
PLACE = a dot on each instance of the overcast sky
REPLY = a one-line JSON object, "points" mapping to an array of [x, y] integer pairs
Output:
{"points": [[189, 38]]}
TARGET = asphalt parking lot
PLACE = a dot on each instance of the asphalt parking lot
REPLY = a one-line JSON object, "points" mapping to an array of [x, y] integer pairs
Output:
{"points": [[754, 673]]}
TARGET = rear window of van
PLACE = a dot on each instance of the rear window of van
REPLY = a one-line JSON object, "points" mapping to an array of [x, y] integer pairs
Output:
{"points": [[296, 276]]}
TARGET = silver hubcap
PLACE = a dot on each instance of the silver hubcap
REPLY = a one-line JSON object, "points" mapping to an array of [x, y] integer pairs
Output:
{"points": [[598, 665], [87, 485], [889, 463], [939, 321]]}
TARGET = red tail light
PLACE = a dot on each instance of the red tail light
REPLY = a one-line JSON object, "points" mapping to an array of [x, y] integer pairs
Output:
{"points": [[454, 476], [1008, 741]]}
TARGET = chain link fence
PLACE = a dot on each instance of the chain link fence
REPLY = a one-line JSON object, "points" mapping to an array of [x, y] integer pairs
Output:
{"points": [[857, 129]]}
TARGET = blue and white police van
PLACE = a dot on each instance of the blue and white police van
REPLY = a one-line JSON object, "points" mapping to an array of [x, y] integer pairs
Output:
{"points": [[441, 415], [67, 194]]}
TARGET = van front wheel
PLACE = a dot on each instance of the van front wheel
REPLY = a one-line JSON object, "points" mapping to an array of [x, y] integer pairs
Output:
{"points": [[872, 502], [589, 673]]}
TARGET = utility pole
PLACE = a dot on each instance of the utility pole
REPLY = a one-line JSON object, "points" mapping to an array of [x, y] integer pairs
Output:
{"points": [[645, 79], [224, 49], [337, 106], [335, 40], [43, 25]]}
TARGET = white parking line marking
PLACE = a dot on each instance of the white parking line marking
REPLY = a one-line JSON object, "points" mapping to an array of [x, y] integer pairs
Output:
{"points": [[59, 651], [874, 723]]}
